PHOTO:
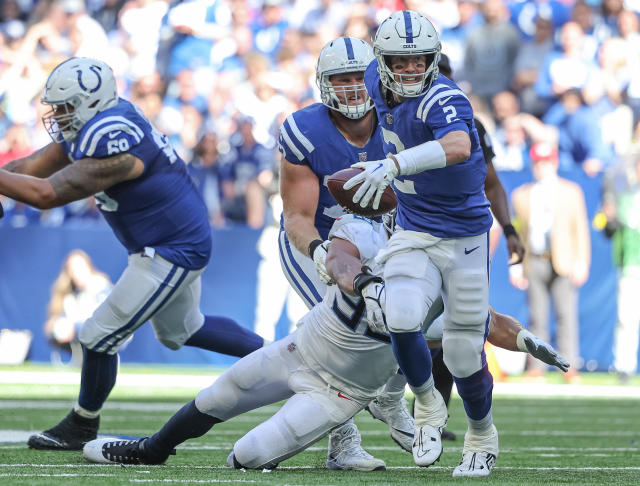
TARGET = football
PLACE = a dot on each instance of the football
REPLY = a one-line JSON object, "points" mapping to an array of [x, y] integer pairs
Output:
{"points": [[345, 198]]}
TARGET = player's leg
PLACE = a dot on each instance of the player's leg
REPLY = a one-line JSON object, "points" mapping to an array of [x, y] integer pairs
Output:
{"points": [[565, 301], [180, 321], [465, 273], [301, 273], [304, 419], [625, 349], [412, 285], [256, 380], [143, 288], [539, 276]]}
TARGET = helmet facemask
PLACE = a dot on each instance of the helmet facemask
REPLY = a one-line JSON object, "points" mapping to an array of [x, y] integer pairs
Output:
{"points": [[342, 98], [62, 121], [408, 85]]}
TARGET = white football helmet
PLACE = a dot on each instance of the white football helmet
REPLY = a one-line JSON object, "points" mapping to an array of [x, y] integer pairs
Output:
{"points": [[344, 55], [77, 90], [407, 33], [389, 221]]}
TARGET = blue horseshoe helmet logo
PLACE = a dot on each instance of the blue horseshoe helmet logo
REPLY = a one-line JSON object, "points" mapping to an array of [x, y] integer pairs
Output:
{"points": [[94, 69]]}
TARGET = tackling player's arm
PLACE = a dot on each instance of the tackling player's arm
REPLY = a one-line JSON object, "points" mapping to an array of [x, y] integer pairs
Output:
{"points": [[497, 196], [84, 178], [300, 192], [343, 264], [42, 163]]}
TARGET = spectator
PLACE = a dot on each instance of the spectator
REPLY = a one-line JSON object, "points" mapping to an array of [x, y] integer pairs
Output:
{"points": [[567, 68], [528, 63], [491, 51], [205, 172], [553, 223], [79, 289], [622, 210], [245, 176]]}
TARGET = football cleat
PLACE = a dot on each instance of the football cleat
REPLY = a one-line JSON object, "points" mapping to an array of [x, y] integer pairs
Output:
{"points": [[395, 414], [478, 454], [120, 451], [430, 419], [345, 451], [475, 465], [71, 434]]}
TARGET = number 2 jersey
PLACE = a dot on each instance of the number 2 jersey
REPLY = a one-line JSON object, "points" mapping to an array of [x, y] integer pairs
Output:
{"points": [[161, 208], [447, 202], [309, 137]]}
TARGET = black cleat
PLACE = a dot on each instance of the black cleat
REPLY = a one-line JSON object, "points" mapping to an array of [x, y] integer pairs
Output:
{"points": [[71, 434], [120, 451], [448, 435]]}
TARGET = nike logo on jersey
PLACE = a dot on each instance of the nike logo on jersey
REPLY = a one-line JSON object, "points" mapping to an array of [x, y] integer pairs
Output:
{"points": [[115, 134], [340, 395], [444, 100], [466, 252]]}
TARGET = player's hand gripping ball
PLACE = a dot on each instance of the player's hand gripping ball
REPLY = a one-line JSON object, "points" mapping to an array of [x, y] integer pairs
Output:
{"points": [[345, 197]]}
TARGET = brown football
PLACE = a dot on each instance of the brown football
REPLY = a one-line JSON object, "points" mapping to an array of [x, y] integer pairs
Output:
{"points": [[345, 198]]}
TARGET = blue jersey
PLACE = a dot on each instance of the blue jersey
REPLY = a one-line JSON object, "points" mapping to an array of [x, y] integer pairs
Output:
{"points": [[161, 208], [447, 202], [309, 137]]}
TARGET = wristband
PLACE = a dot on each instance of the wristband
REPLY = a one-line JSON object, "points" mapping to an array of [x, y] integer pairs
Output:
{"points": [[312, 247], [364, 278], [509, 230], [520, 344]]}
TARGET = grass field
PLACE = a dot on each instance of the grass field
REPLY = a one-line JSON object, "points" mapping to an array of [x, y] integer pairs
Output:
{"points": [[543, 440]]}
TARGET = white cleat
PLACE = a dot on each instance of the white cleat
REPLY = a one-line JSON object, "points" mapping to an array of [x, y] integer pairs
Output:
{"points": [[396, 415], [475, 465], [345, 451], [427, 445], [479, 454], [430, 419]]}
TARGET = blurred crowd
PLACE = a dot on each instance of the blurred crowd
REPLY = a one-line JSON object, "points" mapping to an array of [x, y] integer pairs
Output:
{"points": [[219, 76]]}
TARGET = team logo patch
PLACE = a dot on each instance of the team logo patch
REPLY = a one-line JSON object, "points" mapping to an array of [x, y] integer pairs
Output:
{"points": [[389, 119], [291, 347], [362, 156]]}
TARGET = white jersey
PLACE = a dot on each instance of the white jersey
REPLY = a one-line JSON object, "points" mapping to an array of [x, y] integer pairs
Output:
{"points": [[335, 339]]}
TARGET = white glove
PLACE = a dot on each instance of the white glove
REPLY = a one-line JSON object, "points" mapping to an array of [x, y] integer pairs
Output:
{"points": [[540, 349], [319, 258], [375, 178], [374, 298]]}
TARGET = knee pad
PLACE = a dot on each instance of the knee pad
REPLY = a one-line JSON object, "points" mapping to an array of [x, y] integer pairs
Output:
{"points": [[463, 352], [467, 297], [405, 308]]}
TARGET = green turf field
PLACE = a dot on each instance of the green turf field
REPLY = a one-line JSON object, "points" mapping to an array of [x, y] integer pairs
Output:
{"points": [[542, 440]]}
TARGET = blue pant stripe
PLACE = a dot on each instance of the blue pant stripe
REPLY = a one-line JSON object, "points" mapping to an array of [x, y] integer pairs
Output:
{"points": [[142, 310], [291, 275]]}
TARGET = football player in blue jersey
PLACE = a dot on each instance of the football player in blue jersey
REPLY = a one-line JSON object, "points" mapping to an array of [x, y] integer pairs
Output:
{"points": [[103, 146], [434, 159], [315, 142]]}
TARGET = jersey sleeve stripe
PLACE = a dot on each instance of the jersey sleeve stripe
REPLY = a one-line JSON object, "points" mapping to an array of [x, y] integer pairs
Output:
{"points": [[442, 94], [106, 120], [290, 144], [98, 135], [428, 95], [298, 134]]}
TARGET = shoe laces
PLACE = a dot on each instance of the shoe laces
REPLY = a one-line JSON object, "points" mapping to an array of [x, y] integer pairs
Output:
{"points": [[123, 451]]}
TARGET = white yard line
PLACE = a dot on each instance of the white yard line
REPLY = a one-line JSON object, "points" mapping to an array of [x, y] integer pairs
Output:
{"points": [[203, 381]]}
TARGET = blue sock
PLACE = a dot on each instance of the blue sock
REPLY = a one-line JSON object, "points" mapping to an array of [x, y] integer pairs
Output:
{"points": [[187, 423], [98, 377], [475, 391], [226, 336], [412, 354]]}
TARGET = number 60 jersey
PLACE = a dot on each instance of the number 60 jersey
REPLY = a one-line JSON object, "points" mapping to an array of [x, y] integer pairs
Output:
{"points": [[447, 202], [161, 208]]}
